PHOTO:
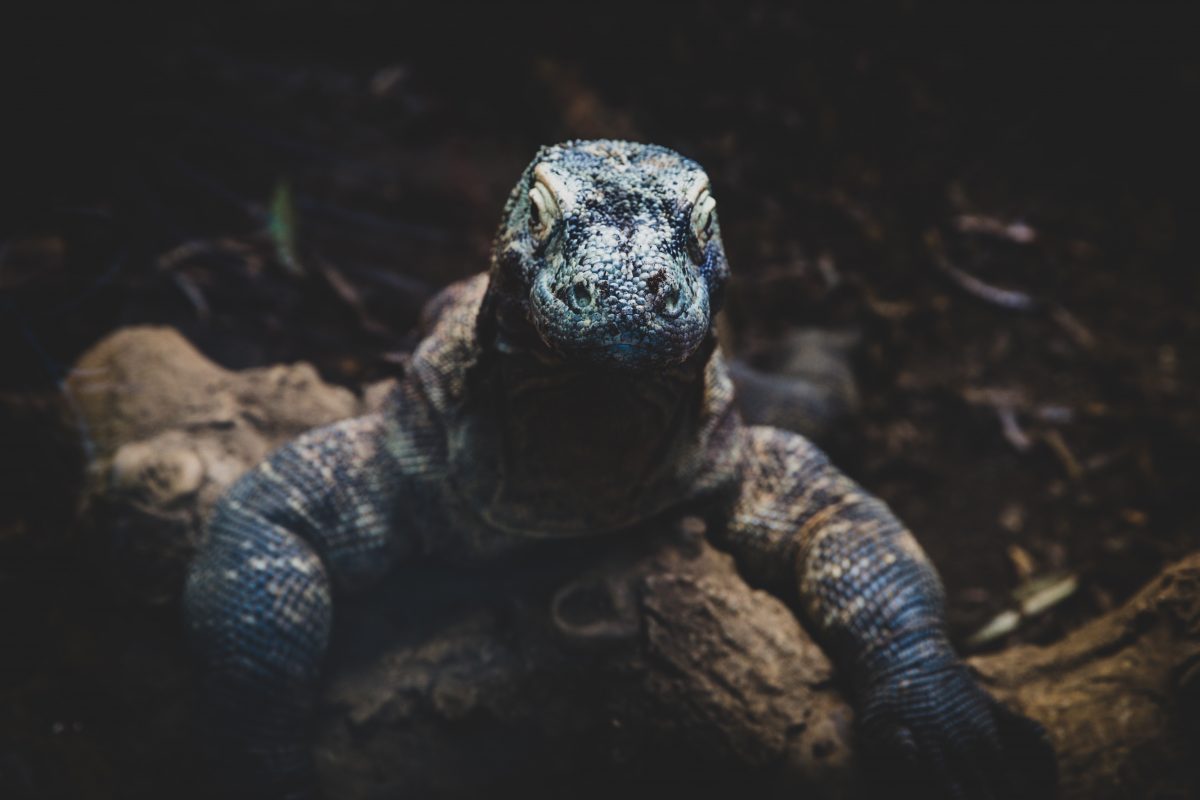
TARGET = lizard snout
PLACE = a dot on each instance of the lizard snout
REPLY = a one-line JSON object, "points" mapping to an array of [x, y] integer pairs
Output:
{"points": [[659, 295], [621, 317]]}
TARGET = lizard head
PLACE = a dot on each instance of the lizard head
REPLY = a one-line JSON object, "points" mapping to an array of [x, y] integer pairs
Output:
{"points": [[609, 254]]}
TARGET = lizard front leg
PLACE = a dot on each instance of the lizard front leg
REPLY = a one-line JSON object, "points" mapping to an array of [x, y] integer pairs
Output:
{"points": [[318, 514], [875, 603]]}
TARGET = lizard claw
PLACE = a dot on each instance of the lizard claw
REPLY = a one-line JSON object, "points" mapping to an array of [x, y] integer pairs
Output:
{"points": [[932, 732]]}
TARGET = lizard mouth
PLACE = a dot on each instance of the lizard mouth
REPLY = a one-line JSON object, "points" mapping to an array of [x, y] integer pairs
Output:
{"points": [[646, 353]]}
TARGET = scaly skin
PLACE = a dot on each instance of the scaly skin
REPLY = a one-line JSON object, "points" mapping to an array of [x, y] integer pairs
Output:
{"points": [[576, 390]]}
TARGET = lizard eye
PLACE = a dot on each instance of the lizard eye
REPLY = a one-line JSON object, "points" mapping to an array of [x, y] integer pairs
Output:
{"points": [[543, 210], [703, 209]]}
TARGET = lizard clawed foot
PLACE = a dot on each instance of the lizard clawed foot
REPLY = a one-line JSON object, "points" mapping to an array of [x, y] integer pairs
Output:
{"points": [[930, 731]]}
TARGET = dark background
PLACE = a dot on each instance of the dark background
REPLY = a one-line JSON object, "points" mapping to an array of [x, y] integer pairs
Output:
{"points": [[855, 155]]}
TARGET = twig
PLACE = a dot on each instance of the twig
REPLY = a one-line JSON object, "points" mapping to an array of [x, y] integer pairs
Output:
{"points": [[1017, 232], [1010, 299], [1059, 446], [1005, 403], [1012, 429], [348, 293], [1076, 330], [193, 294]]}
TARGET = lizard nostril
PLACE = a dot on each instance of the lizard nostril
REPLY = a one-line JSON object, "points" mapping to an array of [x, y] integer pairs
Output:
{"points": [[581, 296]]}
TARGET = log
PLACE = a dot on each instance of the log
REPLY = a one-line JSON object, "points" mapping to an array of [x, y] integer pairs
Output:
{"points": [[585, 668]]}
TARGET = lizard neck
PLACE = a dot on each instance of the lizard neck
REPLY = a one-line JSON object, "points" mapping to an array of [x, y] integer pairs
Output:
{"points": [[552, 447]]}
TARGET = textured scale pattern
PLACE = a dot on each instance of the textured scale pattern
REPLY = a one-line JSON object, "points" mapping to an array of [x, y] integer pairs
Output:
{"points": [[866, 588], [863, 581], [576, 390], [620, 275], [259, 599]]}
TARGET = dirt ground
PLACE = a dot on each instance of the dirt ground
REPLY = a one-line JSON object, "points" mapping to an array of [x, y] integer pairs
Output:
{"points": [[998, 207]]}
